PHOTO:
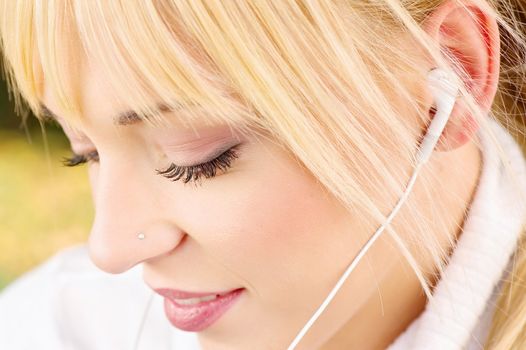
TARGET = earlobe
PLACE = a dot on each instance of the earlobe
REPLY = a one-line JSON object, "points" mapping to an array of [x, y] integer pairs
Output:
{"points": [[469, 35]]}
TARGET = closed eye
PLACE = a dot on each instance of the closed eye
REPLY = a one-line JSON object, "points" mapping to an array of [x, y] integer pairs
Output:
{"points": [[208, 169]]}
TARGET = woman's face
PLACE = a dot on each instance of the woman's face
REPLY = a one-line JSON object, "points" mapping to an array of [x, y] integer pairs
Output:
{"points": [[264, 224]]}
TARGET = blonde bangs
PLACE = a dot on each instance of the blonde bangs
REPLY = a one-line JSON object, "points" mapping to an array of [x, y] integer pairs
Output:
{"points": [[133, 45], [239, 60], [147, 56]]}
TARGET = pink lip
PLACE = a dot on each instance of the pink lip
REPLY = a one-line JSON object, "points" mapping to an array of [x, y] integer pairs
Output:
{"points": [[196, 317], [180, 294]]}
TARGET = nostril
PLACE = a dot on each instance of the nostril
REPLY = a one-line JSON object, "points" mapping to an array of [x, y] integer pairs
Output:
{"points": [[183, 240]]}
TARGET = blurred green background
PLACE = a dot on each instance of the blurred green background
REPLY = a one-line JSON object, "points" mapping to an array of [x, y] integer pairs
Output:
{"points": [[44, 206]]}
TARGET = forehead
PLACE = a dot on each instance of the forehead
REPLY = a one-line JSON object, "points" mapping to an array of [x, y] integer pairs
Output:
{"points": [[101, 104], [107, 70], [88, 85]]}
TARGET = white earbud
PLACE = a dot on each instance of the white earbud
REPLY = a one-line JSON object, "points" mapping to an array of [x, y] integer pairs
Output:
{"points": [[444, 88]]}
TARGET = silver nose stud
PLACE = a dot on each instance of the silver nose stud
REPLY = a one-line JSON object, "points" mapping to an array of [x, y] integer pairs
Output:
{"points": [[141, 236]]}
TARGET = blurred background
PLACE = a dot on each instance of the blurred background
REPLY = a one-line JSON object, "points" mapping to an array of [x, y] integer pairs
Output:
{"points": [[44, 206]]}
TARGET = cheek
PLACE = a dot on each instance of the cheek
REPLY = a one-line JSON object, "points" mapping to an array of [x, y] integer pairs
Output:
{"points": [[272, 225]]}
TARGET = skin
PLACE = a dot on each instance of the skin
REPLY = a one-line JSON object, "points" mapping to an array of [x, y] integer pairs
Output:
{"points": [[265, 224]]}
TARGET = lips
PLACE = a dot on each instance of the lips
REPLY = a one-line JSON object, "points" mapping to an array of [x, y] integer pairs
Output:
{"points": [[179, 294], [196, 316]]}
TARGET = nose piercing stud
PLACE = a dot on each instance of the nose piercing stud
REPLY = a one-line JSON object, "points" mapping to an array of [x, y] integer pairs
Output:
{"points": [[141, 236]]}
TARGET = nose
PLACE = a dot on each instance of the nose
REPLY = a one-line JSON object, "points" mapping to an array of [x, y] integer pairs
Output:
{"points": [[126, 210]]}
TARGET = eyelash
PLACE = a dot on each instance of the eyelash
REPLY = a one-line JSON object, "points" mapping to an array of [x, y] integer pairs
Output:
{"points": [[207, 169], [173, 172], [78, 159]]}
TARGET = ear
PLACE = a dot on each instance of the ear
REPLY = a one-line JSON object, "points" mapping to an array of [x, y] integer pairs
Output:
{"points": [[469, 33]]}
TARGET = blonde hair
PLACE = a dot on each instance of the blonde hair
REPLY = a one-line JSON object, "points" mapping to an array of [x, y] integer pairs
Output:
{"points": [[323, 78]]}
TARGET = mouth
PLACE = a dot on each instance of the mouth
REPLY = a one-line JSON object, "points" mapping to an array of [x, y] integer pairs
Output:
{"points": [[195, 312]]}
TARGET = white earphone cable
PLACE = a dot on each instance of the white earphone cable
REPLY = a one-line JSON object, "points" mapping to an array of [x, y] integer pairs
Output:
{"points": [[357, 259]]}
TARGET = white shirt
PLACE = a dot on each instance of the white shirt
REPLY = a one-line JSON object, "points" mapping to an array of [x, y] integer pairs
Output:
{"points": [[68, 303]]}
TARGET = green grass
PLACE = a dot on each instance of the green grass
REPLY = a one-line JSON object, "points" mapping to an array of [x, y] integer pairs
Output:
{"points": [[44, 206]]}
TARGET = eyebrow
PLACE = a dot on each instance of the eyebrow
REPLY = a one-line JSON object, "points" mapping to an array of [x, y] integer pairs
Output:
{"points": [[125, 118]]}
